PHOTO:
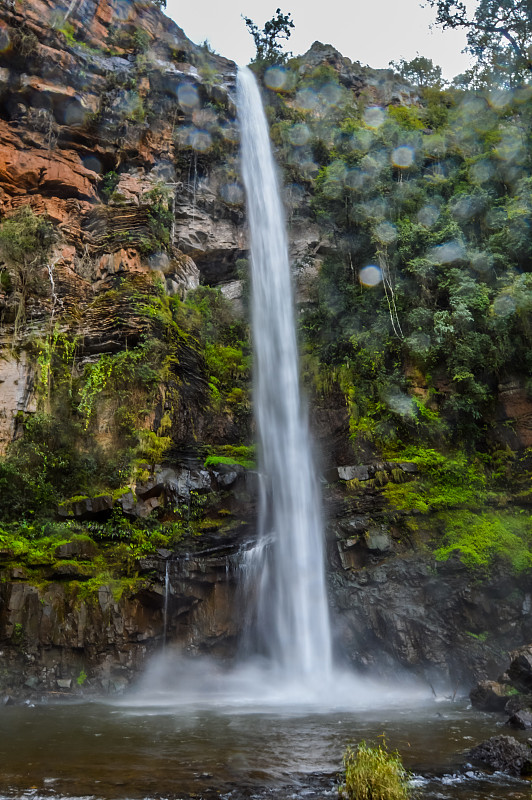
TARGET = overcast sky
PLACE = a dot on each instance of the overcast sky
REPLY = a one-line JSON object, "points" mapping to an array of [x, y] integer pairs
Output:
{"points": [[373, 32]]}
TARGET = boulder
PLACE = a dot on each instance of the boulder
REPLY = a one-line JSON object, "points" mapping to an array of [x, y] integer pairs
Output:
{"points": [[520, 670], [378, 541], [360, 473], [504, 754], [490, 696], [521, 719], [518, 702]]}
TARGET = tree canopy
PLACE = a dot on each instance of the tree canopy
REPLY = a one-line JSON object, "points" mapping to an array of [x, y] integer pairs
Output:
{"points": [[499, 34], [420, 71], [268, 40]]}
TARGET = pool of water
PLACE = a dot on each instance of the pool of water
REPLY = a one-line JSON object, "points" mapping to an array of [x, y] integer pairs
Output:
{"points": [[143, 750]]}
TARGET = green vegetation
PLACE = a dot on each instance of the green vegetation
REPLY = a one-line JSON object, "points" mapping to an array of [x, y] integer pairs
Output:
{"points": [[373, 773], [499, 36], [25, 243], [267, 41], [230, 455], [426, 284], [445, 481], [484, 537]]}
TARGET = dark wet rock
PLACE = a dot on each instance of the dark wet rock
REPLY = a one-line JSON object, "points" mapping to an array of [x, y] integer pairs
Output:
{"points": [[520, 670], [127, 503], [490, 696], [86, 507], [80, 549], [504, 754], [518, 702], [174, 485], [227, 475], [521, 719], [69, 570], [407, 466], [354, 524], [378, 540], [19, 574], [360, 473]]}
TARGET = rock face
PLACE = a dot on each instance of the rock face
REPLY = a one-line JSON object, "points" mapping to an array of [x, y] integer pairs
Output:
{"points": [[121, 133], [504, 754], [64, 638]]}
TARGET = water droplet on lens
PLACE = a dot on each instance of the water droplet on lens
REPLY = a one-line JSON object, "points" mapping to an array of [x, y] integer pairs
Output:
{"points": [[370, 275], [374, 116]]}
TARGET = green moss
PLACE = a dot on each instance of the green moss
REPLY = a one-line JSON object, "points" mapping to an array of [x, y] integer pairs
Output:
{"points": [[482, 538], [444, 481], [242, 455]]}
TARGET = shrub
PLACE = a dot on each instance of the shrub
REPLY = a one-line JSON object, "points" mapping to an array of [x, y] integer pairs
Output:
{"points": [[372, 773]]}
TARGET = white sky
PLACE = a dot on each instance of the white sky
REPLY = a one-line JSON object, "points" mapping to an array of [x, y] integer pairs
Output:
{"points": [[373, 32]]}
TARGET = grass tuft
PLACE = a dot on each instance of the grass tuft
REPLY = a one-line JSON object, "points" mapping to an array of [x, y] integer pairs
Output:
{"points": [[372, 773]]}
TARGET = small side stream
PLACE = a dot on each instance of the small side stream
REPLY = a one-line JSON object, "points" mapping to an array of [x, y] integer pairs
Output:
{"points": [[108, 751]]}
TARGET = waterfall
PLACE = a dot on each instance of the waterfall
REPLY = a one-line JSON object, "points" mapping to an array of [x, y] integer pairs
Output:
{"points": [[166, 598], [292, 619]]}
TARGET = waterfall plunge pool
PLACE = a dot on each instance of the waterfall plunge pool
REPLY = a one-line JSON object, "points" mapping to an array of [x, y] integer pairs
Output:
{"points": [[138, 750]]}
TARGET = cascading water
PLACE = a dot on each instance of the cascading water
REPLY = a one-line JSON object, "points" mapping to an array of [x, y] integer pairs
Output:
{"points": [[286, 659], [292, 622]]}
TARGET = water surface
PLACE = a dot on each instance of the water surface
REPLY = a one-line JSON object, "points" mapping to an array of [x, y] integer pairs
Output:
{"points": [[103, 750]]}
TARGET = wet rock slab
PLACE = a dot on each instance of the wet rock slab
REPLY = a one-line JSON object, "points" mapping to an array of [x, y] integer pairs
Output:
{"points": [[504, 754]]}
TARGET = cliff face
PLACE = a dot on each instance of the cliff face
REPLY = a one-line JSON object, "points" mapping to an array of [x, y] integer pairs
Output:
{"points": [[119, 135]]}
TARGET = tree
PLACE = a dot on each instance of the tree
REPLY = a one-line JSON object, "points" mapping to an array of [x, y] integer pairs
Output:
{"points": [[269, 48], [499, 33], [419, 72], [25, 244]]}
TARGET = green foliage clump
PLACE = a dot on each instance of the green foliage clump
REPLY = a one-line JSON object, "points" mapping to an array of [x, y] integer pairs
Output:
{"points": [[268, 40], [373, 773], [25, 243], [232, 454], [445, 481], [483, 537]]}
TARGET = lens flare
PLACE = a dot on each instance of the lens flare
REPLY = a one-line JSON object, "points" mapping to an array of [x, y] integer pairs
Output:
{"points": [[481, 262], [74, 115], [93, 163], [447, 253], [230, 133], [481, 171], [401, 404], [428, 215], [374, 116], [403, 156], [200, 140], [4, 39], [504, 305], [204, 118], [307, 100], [232, 193], [330, 94], [299, 134], [499, 98], [386, 233], [276, 78], [370, 275], [187, 96]]}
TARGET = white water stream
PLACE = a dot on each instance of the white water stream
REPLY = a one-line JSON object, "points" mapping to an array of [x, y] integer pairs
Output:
{"points": [[286, 659], [292, 622]]}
